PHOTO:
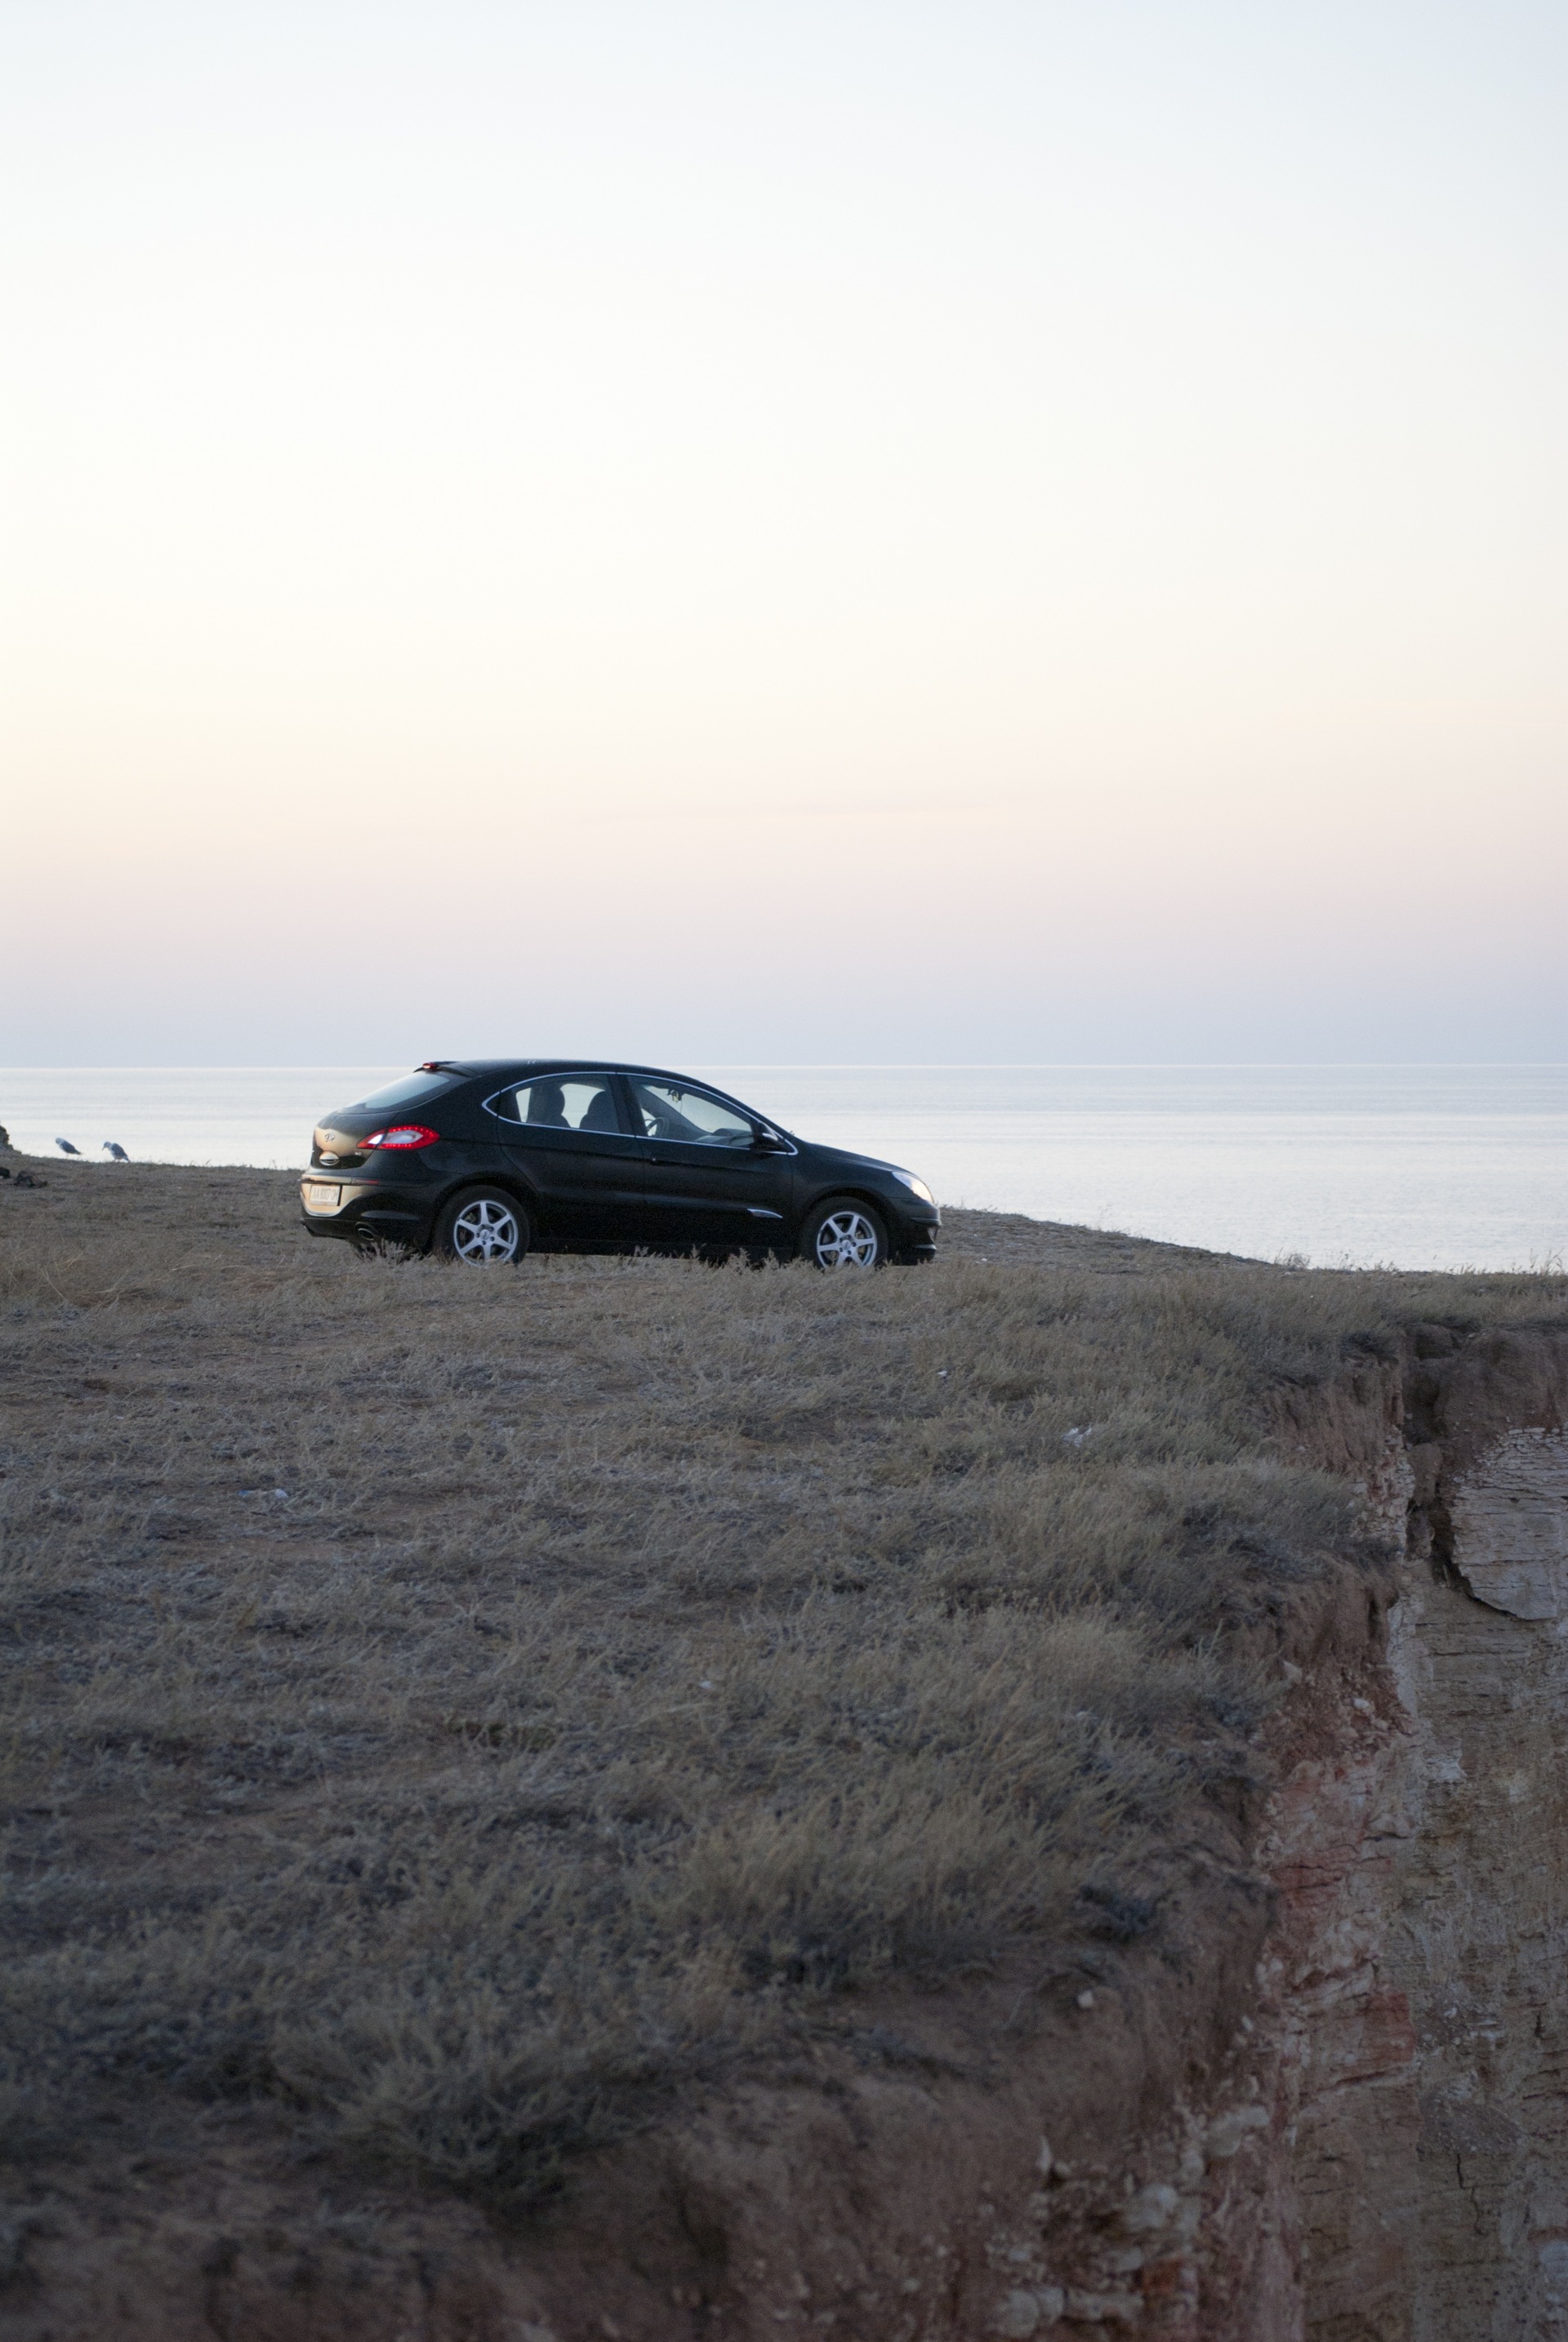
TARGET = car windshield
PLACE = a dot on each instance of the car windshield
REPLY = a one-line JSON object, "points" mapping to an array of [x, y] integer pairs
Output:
{"points": [[414, 1089]]}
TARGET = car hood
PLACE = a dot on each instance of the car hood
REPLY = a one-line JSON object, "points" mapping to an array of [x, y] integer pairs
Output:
{"points": [[846, 1156]]}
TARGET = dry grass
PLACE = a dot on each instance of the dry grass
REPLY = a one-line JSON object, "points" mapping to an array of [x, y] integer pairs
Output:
{"points": [[462, 1708]]}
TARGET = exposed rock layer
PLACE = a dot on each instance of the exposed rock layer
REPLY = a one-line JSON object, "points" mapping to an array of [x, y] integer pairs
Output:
{"points": [[1418, 1968]]}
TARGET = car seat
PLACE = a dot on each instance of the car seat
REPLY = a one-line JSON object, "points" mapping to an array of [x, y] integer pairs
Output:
{"points": [[548, 1105], [602, 1114]]}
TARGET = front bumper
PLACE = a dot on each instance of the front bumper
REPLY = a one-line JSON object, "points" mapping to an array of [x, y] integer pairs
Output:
{"points": [[913, 1237]]}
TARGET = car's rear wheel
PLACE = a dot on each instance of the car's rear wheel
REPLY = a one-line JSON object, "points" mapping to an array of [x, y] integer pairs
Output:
{"points": [[843, 1233], [482, 1228]]}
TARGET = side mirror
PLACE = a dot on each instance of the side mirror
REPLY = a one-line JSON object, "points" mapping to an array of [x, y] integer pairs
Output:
{"points": [[768, 1142]]}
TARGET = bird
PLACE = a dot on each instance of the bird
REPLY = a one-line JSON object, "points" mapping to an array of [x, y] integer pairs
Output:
{"points": [[65, 1146], [113, 1148]]}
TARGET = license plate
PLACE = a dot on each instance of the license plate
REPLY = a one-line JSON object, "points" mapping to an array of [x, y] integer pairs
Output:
{"points": [[323, 1199]]}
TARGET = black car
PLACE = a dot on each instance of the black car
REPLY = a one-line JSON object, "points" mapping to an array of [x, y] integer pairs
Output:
{"points": [[486, 1160]]}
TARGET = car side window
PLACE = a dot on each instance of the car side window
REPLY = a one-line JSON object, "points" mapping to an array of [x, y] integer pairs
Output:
{"points": [[664, 1110], [580, 1102]]}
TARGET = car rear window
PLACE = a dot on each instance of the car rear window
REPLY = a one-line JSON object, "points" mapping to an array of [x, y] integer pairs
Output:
{"points": [[580, 1102], [414, 1089]]}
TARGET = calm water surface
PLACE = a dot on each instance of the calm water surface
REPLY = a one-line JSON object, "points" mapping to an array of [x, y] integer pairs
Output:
{"points": [[1419, 1166]]}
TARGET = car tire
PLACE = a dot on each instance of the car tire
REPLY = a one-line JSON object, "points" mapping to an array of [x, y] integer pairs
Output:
{"points": [[843, 1233], [482, 1228]]}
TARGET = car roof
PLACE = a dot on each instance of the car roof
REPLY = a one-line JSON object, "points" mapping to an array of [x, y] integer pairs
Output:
{"points": [[476, 1068]]}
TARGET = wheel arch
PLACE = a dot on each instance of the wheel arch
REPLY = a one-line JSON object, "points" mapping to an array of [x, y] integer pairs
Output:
{"points": [[474, 1183], [830, 1188], [891, 1235]]}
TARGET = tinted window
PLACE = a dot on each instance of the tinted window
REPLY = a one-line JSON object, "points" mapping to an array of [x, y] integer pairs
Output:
{"points": [[560, 1102], [414, 1089], [663, 1110]]}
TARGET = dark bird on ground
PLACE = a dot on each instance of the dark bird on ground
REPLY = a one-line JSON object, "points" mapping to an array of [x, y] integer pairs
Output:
{"points": [[116, 1150], [65, 1146]]}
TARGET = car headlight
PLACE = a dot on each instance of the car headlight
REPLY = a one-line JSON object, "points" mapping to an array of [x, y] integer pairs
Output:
{"points": [[916, 1186]]}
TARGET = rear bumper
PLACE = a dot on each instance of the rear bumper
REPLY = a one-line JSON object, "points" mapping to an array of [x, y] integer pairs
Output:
{"points": [[365, 1208], [398, 1228]]}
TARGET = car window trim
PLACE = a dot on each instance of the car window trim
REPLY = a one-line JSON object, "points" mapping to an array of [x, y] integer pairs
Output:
{"points": [[610, 1080]]}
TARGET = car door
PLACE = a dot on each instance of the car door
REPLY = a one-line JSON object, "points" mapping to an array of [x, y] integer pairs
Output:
{"points": [[565, 1134], [711, 1174]]}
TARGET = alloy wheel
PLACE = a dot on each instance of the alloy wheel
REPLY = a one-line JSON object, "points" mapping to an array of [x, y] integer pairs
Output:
{"points": [[484, 1230], [846, 1240]]}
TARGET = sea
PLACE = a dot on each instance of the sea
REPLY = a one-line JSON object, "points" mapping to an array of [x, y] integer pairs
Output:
{"points": [[1404, 1167]]}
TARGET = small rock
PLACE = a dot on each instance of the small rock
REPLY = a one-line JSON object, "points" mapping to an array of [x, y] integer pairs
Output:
{"points": [[1018, 2316], [1152, 2208], [1085, 1999], [1226, 2132], [1104, 2308], [1023, 2314]]}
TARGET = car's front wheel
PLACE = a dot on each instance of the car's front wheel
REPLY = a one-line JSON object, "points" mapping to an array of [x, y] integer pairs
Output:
{"points": [[843, 1233], [482, 1227]]}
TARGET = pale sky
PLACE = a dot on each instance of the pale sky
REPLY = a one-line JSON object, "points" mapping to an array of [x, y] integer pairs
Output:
{"points": [[722, 533]]}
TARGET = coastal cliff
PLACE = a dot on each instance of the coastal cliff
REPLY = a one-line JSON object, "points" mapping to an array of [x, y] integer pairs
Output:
{"points": [[1372, 2002], [1022, 1799]]}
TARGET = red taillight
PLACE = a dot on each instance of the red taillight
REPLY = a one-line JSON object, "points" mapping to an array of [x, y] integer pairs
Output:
{"points": [[402, 1135]]}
